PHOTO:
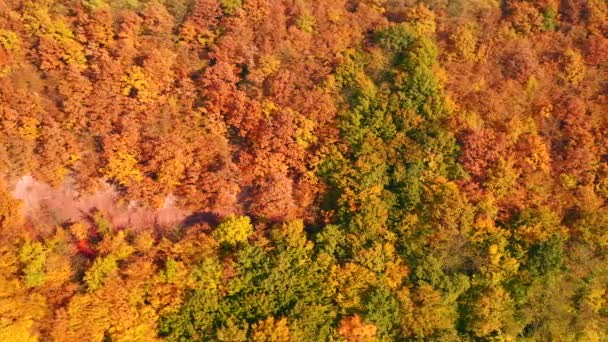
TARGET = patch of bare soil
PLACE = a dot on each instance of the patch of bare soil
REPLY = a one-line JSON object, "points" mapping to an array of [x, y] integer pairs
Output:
{"points": [[45, 205]]}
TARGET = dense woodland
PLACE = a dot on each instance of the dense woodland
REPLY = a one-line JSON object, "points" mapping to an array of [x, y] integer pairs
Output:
{"points": [[355, 170]]}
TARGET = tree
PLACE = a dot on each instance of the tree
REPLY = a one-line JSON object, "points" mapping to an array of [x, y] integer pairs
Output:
{"points": [[10, 212], [353, 329], [233, 230], [271, 330]]}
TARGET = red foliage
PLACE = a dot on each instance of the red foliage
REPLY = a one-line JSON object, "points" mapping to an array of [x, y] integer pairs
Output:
{"points": [[272, 198], [481, 149], [519, 64], [596, 50], [83, 246], [575, 149]]}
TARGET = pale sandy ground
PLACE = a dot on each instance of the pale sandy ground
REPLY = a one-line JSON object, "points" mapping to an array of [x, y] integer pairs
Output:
{"points": [[43, 203]]}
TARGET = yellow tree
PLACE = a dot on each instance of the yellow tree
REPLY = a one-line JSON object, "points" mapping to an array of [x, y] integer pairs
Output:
{"points": [[271, 330], [122, 167], [20, 309]]}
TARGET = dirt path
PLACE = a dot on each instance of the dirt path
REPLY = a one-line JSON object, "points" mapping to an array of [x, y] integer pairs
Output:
{"points": [[43, 204]]}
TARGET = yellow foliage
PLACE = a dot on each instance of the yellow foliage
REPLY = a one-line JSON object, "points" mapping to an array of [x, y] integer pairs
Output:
{"points": [[116, 245], [79, 230], [546, 111], [493, 249], [171, 172], [489, 311], [206, 38], [568, 181], [305, 132], [166, 298], [425, 312], [479, 84], [29, 128], [498, 265], [19, 331], [73, 158], [533, 233], [135, 84], [268, 64], [306, 23], [423, 20], [73, 52], [106, 313], [32, 256], [464, 43], [372, 257], [596, 297], [188, 32], [597, 16], [144, 242], [122, 167], [532, 85], [573, 66], [58, 269], [95, 4], [292, 232], [348, 283], [271, 330], [9, 40], [601, 186], [518, 127], [495, 256], [334, 16], [503, 178], [97, 275], [19, 309], [268, 107], [10, 211], [394, 275], [233, 230], [540, 158], [38, 21]]}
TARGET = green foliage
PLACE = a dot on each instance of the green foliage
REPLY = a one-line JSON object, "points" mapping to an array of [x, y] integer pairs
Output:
{"points": [[115, 4], [32, 256], [95, 4], [171, 272], [546, 256], [268, 282], [396, 38], [196, 317], [590, 228], [229, 6], [387, 182], [232, 332], [549, 19], [391, 241], [331, 241], [179, 8], [96, 275], [383, 310], [467, 8], [207, 274], [103, 225], [392, 128]]}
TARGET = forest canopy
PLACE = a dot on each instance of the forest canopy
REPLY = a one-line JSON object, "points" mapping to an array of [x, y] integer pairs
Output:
{"points": [[303, 170]]}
